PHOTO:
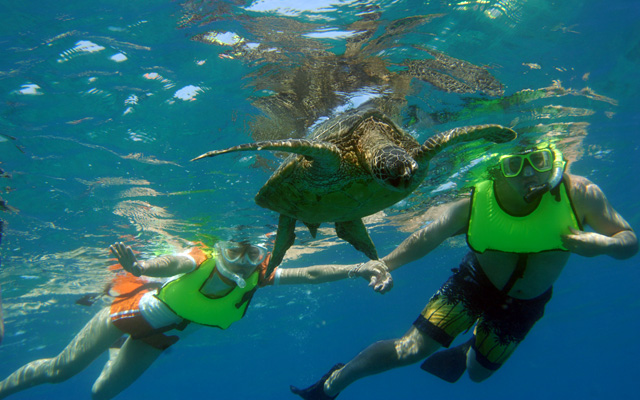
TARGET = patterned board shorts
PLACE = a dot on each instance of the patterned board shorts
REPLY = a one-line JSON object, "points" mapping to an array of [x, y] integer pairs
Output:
{"points": [[469, 297], [125, 313]]}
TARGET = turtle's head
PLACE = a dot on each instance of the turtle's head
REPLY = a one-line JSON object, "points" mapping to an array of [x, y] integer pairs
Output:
{"points": [[393, 168]]}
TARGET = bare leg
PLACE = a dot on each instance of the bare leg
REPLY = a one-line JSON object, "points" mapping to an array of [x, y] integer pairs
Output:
{"points": [[93, 340], [477, 372], [123, 368], [382, 356]]}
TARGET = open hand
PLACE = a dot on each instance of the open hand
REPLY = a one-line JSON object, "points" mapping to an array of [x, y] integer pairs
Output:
{"points": [[126, 258]]}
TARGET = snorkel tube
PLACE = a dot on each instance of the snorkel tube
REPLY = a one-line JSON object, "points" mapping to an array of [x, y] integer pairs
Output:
{"points": [[224, 270], [554, 180]]}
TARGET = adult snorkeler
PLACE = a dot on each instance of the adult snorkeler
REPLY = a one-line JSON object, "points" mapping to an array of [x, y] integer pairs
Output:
{"points": [[521, 225], [211, 288]]}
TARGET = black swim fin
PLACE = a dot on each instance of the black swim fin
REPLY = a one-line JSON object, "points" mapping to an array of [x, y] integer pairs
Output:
{"points": [[449, 364], [316, 391], [89, 299]]}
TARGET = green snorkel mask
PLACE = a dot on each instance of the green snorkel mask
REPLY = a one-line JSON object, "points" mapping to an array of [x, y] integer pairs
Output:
{"points": [[544, 157]]}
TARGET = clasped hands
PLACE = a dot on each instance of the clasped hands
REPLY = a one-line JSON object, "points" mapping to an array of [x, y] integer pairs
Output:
{"points": [[377, 273]]}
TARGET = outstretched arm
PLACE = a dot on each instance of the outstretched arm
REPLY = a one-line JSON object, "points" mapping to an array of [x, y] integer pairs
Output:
{"points": [[373, 271], [452, 221], [376, 272], [159, 267], [612, 234]]}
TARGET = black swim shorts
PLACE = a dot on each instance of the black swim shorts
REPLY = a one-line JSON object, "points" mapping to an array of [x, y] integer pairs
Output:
{"points": [[469, 297]]}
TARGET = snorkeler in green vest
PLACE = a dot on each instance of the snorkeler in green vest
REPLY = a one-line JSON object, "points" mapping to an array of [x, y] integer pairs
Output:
{"points": [[211, 288], [521, 225]]}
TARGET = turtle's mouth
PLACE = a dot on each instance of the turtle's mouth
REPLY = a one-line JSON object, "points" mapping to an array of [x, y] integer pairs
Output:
{"points": [[395, 169], [399, 183], [400, 180]]}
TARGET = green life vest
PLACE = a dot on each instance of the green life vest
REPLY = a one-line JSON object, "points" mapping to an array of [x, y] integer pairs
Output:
{"points": [[491, 228], [184, 297]]}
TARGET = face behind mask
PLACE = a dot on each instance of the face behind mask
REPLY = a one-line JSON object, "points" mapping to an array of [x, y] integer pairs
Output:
{"points": [[543, 158], [238, 260]]}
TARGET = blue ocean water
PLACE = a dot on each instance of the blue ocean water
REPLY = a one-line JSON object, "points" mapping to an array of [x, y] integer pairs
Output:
{"points": [[105, 102]]}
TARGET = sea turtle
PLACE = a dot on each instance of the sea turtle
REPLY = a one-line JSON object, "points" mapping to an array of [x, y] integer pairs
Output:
{"points": [[352, 166]]}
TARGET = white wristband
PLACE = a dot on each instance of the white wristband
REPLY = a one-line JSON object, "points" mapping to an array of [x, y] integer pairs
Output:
{"points": [[353, 272], [193, 260], [276, 277]]}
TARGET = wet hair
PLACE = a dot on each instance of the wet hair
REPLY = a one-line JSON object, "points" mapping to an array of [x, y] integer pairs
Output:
{"points": [[243, 243], [494, 172]]}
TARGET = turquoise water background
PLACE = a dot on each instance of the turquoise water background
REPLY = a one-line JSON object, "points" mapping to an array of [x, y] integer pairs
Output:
{"points": [[104, 103]]}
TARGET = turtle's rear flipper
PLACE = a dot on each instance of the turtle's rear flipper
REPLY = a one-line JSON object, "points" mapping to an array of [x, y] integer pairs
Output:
{"points": [[313, 228], [450, 364], [356, 233], [284, 239], [491, 132]]}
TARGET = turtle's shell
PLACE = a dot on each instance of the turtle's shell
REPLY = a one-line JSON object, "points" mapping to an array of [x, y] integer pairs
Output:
{"points": [[305, 189]]}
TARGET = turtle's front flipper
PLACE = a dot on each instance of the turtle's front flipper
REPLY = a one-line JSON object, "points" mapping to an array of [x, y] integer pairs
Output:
{"points": [[356, 233], [329, 153], [284, 239], [436, 143]]}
